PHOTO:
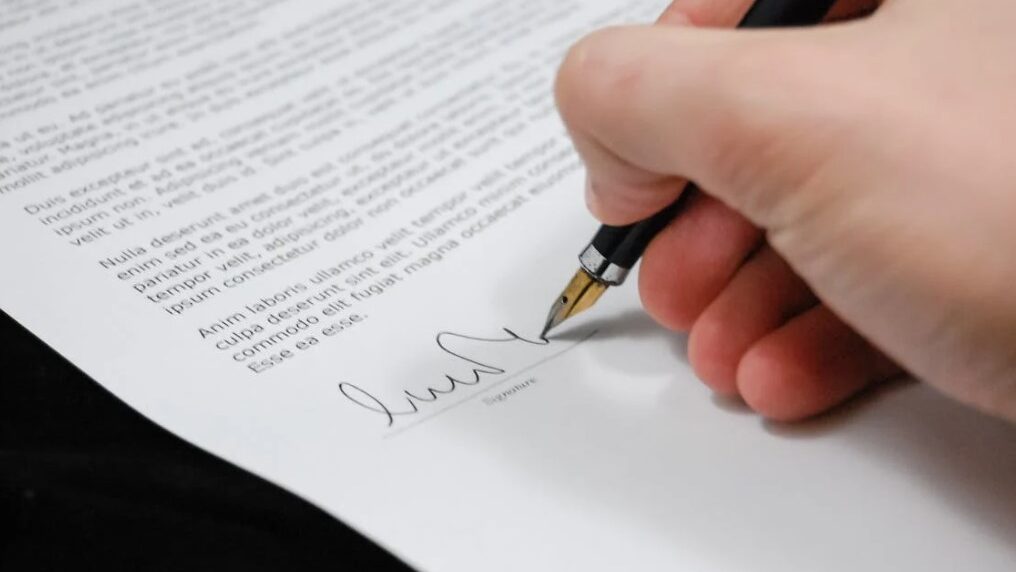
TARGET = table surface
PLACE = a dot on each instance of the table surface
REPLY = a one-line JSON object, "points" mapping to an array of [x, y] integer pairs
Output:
{"points": [[86, 483]]}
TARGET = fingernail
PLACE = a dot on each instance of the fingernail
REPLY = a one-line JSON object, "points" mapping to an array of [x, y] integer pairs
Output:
{"points": [[604, 206], [591, 201]]}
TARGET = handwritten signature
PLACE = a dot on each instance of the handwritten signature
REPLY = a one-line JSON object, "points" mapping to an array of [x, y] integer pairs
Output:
{"points": [[409, 403]]}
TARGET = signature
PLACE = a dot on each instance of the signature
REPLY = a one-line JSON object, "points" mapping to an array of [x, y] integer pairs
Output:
{"points": [[409, 403]]}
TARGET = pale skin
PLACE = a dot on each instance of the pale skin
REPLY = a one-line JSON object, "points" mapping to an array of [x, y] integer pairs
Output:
{"points": [[858, 220]]}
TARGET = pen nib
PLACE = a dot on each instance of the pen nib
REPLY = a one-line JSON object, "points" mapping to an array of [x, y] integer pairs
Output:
{"points": [[581, 293]]}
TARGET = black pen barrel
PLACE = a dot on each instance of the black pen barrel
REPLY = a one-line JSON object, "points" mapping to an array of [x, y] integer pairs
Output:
{"points": [[624, 245], [785, 13]]}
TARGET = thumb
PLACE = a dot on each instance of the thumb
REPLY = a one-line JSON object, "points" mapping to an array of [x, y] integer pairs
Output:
{"points": [[751, 116]]}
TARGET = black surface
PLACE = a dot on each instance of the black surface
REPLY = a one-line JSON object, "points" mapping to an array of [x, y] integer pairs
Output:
{"points": [[86, 483]]}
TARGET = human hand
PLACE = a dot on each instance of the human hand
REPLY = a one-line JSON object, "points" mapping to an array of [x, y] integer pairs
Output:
{"points": [[860, 209]]}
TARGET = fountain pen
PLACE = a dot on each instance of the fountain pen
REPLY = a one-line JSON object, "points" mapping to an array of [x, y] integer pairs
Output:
{"points": [[615, 249]]}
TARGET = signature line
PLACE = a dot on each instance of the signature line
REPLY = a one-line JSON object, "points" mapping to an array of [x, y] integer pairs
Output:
{"points": [[494, 385]]}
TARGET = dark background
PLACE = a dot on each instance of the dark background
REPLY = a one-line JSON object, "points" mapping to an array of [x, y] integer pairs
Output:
{"points": [[86, 483]]}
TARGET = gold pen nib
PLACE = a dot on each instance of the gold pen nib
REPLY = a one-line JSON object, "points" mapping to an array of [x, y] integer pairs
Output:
{"points": [[582, 292]]}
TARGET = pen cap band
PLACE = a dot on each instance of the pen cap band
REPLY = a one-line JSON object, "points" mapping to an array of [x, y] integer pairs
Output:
{"points": [[601, 269]]}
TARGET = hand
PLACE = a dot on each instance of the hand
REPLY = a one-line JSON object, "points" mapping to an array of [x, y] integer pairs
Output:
{"points": [[860, 210]]}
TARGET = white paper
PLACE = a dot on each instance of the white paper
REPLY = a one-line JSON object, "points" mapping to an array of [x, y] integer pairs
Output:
{"points": [[393, 175]]}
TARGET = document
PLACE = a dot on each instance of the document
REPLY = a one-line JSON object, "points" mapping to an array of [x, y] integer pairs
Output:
{"points": [[319, 239]]}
